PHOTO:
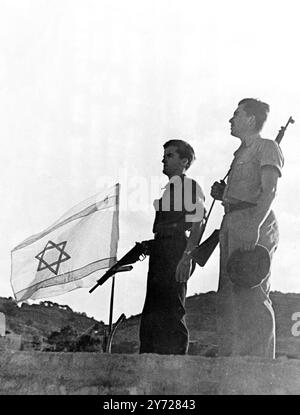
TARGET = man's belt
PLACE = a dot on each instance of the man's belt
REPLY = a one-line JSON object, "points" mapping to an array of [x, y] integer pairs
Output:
{"points": [[169, 232], [230, 207]]}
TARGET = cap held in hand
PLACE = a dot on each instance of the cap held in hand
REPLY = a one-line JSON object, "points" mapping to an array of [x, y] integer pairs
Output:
{"points": [[249, 268]]}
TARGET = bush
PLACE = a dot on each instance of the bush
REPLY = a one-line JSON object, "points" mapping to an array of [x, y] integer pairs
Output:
{"points": [[63, 340], [68, 340], [88, 343]]}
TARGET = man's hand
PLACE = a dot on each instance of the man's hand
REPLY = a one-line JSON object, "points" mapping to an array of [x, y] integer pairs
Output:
{"points": [[217, 190], [183, 270]]}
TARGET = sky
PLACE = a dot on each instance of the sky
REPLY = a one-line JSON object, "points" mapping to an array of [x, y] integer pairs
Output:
{"points": [[91, 90]]}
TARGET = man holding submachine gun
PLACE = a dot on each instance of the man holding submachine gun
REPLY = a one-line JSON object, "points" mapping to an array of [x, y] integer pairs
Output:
{"points": [[177, 230]]}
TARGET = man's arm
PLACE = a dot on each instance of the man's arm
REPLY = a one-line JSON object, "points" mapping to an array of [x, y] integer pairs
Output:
{"points": [[194, 237], [250, 234], [185, 264], [195, 210]]}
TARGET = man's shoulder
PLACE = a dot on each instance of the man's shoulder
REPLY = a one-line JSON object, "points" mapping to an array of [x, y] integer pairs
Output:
{"points": [[269, 152], [194, 186], [188, 179], [266, 144]]}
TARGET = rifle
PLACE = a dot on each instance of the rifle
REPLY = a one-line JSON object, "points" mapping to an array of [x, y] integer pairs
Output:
{"points": [[137, 253], [202, 253]]}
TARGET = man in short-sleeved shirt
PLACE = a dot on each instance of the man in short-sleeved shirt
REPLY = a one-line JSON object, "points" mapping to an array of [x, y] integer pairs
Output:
{"points": [[179, 211], [245, 317]]}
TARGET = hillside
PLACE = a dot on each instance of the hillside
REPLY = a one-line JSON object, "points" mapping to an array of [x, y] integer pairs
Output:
{"points": [[36, 323]]}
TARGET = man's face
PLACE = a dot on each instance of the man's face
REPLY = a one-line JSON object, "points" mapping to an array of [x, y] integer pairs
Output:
{"points": [[241, 123], [172, 163]]}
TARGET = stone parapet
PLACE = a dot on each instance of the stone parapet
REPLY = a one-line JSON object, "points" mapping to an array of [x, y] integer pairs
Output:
{"points": [[41, 373]]}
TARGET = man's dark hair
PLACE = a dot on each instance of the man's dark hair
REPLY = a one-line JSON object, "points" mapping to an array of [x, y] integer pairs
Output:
{"points": [[257, 108], [184, 149]]}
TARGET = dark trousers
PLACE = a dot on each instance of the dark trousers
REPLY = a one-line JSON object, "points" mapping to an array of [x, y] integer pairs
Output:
{"points": [[163, 329], [163, 333]]}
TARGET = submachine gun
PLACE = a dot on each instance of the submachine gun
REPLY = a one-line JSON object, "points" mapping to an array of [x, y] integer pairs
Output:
{"points": [[200, 254], [137, 253]]}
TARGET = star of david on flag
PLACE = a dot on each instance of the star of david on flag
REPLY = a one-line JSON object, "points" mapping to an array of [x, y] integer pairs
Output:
{"points": [[67, 255], [54, 266]]}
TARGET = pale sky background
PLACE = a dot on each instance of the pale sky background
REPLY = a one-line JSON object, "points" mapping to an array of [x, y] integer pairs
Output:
{"points": [[93, 88]]}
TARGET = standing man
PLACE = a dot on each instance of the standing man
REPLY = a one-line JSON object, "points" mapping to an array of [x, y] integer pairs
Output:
{"points": [[245, 317], [179, 212]]}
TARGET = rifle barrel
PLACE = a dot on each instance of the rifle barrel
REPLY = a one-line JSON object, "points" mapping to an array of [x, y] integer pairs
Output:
{"points": [[282, 130]]}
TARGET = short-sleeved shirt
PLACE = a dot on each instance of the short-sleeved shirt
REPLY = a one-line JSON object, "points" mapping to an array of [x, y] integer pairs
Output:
{"points": [[181, 204], [244, 180]]}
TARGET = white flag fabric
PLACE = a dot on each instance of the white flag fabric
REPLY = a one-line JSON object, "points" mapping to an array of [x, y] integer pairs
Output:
{"points": [[66, 255]]}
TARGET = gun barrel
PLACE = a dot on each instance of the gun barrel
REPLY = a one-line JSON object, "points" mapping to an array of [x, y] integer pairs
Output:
{"points": [[94, 287], [283, 129], [104, 278], [123, 264]]}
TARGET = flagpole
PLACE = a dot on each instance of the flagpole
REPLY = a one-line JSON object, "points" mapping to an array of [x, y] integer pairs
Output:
{"points": [[112, 293], [111, 308]]}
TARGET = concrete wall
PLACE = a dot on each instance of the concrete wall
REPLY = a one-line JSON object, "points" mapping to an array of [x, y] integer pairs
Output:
{"points": [[93, 373]]}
